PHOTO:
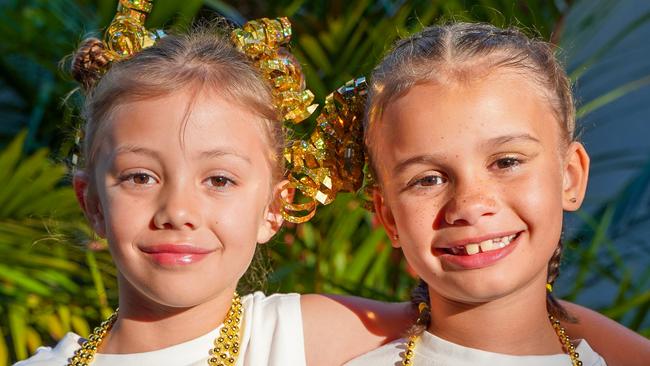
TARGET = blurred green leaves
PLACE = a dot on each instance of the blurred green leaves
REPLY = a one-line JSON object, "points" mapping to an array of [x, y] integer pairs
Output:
{"points": [[47, 286]]}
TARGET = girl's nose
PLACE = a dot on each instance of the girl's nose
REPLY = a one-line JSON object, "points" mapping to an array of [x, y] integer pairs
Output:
{"points": [[469, 204], [178, 209]]}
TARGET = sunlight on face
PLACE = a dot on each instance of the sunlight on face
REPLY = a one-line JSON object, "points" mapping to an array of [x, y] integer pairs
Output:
{"points": [[472, 180], [183, 195]]}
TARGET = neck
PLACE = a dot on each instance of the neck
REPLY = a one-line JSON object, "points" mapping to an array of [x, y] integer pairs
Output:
{"points": [[515, 324], [141, 322]]}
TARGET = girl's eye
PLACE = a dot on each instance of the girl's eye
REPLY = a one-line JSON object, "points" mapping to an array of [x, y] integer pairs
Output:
{"points": [[429, 180], [139, 179], [219, 181], [508, 162]]}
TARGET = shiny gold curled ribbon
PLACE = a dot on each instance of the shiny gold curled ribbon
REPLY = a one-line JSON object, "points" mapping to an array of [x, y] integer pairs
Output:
{"points": [[127, 35], [332, 160], [263, 41]]}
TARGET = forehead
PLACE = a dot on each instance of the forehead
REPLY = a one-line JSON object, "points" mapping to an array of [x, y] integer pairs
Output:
{"points": [[459, 115], [186, 121]]}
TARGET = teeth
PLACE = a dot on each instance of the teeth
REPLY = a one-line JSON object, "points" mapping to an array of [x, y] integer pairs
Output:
{"points": [[488, 245], [484, 246], [471, 248]]}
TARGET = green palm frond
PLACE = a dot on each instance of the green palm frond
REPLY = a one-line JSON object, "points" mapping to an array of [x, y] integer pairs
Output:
{"points": [[45, 282]]}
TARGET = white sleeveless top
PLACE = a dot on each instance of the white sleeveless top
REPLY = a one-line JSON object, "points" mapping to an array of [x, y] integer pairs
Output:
{"points": [[272, 335], [431, 350]]}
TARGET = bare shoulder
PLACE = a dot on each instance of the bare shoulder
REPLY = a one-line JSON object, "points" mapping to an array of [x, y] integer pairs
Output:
{"points": [[338, 328], [608, 337]]}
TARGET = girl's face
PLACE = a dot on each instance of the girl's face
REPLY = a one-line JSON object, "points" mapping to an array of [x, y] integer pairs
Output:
{"points": [[182, 190], [474, 180]]}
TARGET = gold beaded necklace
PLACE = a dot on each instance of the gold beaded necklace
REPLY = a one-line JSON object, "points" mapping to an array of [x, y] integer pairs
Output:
{"points": [[224, 353], [407, 358]]}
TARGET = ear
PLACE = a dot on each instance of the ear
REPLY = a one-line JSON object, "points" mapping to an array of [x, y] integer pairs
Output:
{"points": [[576, 171], [385, 216], [89, 202], [273, 219]]}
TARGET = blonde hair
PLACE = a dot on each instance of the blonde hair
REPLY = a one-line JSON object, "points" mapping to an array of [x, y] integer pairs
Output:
{"points": [[460, 51], [202, 58]]}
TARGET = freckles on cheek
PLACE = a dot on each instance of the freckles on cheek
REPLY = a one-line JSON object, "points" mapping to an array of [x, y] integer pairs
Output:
{"points": [[415, 219]]}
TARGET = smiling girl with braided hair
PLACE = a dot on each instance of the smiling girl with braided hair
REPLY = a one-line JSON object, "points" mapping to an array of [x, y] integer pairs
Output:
{"points": [[471, 136]]}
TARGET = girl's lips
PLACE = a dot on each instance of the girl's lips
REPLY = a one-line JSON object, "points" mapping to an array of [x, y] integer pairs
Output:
{"points": [[478, 260], [175, 254]]}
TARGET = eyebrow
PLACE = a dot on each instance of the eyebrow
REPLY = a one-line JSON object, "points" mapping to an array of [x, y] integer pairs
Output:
{"points": [[209, 154], [500, 140], [430, 159], [217, 153], [426, 159], [133, 149]]}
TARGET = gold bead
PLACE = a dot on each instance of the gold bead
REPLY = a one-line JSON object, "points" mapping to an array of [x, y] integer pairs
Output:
{"points": [[224, 352]]}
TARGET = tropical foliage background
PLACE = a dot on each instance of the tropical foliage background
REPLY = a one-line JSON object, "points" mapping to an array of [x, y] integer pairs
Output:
{"points": [[56, 277]]}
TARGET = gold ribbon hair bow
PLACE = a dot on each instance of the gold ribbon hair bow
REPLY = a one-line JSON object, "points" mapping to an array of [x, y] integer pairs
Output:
{"points": [[127, 35], [332, 160], [263, 42]]}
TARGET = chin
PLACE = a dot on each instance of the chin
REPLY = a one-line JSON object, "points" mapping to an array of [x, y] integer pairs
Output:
{"points": [[476, 288], [173, 290], [181, 298]]}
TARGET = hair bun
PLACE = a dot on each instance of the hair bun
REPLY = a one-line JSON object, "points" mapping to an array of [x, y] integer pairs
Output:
{"points": [[89, 62]]}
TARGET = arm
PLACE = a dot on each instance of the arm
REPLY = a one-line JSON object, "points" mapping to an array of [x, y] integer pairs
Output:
{"points": [[339, 328], [617, 344]]}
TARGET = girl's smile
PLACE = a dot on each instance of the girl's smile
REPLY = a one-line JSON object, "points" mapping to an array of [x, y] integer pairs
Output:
{"points": [[476, 252], [170, 255]]}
